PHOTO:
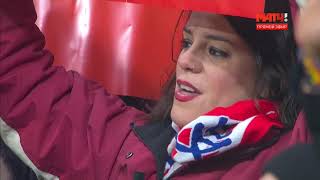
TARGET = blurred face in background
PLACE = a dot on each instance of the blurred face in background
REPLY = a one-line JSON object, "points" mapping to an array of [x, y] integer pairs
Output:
{"points": [[215, 68]]}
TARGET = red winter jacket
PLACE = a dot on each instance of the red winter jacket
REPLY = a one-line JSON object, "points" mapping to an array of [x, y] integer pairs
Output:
{"points": [[65, 127]]}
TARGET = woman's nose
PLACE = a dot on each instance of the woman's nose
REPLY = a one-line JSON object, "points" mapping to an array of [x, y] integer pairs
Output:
{"points": [[189, 61]]}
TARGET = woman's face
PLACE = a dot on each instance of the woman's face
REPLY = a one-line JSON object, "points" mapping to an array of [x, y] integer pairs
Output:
{"points": [[215, 68]]}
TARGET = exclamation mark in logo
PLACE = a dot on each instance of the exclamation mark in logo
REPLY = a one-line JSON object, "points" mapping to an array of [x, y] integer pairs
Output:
{"points": [[285, 17]]}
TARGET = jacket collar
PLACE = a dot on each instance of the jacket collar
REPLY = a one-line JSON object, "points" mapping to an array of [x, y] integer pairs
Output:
{"points": [[156, 136]]}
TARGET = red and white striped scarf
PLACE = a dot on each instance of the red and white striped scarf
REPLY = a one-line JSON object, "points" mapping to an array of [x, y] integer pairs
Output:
{"points": [[243, 124]]}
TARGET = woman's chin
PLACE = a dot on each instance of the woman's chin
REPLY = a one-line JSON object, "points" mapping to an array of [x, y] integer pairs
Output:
{"points": [[181, 117]]}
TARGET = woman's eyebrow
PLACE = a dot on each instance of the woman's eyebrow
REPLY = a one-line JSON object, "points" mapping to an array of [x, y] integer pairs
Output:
{"points": [[186, 30], [210, 36], [218, 38]]}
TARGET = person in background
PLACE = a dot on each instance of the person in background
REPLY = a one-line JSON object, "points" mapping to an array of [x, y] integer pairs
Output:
{"points": [[225, 112], [302, 161]]}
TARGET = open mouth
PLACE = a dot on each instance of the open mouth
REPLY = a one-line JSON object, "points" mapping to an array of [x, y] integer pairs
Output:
{"points": [[185, 91]]}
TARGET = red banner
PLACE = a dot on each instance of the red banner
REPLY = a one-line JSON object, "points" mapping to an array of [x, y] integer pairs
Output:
{"points": [[125, 47], [243, 8]]}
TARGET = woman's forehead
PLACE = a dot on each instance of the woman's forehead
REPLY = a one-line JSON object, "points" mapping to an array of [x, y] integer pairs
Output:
{"points": [[209, 21]]}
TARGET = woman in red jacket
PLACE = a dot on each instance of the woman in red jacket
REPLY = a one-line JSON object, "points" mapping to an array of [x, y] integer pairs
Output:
{"points": [[225, 112]]}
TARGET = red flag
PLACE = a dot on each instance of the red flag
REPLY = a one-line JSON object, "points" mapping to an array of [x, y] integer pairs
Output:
{"points": [[243, 8]]}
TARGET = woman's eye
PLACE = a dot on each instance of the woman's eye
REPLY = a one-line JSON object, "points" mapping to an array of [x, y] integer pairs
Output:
{"points": [[217, 52], [185, 43]]}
